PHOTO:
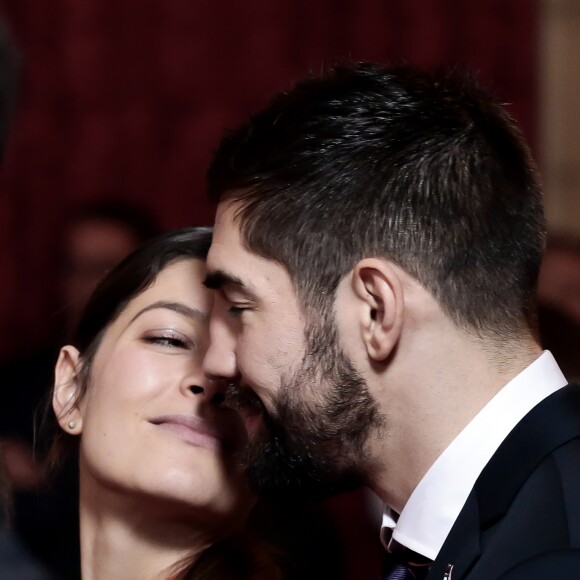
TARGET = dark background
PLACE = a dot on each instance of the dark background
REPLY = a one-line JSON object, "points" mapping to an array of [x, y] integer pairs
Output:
{"points": [[129, 97]]}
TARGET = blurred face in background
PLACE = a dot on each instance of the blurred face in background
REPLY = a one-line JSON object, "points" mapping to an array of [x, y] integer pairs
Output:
{"points": [[92, 247]]}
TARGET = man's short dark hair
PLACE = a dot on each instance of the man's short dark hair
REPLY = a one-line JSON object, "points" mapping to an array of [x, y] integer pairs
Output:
{"points": [[424, 169]]}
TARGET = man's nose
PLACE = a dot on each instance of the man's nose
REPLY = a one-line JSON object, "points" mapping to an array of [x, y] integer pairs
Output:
{"points": [[220, 359]]}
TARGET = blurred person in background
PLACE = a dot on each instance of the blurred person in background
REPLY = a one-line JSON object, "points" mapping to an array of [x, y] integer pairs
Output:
{"points": [[95, 238], [9, 71], [559, 302], [559, 282], [15, 561], [560, 334]]}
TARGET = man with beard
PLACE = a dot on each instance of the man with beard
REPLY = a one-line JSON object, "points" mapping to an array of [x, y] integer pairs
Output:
{"points": [[376, 250]]}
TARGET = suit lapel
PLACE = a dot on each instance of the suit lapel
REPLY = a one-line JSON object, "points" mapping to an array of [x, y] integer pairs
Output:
{"points": [[552, 423], [462, 546]]}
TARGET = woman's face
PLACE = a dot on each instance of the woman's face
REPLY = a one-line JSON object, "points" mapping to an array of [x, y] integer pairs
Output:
{"points": [[149, 422]]}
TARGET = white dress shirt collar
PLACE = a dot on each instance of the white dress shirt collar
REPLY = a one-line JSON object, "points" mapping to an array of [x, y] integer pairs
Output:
{"points": [[434, 505]]}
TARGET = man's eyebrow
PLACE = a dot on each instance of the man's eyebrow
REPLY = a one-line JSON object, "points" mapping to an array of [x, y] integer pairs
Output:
{"points": [[217, 279], [178, 307]]}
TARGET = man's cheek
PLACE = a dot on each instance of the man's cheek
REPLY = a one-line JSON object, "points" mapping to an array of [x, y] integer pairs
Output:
{"points": [[254, 424]]}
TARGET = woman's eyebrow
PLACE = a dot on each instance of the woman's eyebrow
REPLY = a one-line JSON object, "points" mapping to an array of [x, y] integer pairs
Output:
{"points": [[178, 307]]}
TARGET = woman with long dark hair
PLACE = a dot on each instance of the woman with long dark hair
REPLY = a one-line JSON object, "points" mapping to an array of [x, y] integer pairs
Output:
{"points": [[162, 494]]}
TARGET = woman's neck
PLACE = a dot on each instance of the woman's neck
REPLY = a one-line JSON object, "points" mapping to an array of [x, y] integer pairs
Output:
{"points": [[126, 538]]}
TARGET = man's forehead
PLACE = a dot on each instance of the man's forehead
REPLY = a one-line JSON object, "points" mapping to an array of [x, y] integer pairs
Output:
{"points": [[230, 262], [226, 239], [227, 213]]}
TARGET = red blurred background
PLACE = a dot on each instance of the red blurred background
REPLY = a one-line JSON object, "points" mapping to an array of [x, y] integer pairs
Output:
{"points": [[129, 97]]}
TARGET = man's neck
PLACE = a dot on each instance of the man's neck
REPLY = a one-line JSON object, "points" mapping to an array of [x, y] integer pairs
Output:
{"points": [[426, 406]]}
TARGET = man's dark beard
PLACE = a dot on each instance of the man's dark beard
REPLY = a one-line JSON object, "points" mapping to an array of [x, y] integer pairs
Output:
{"points": [[310, 450]]}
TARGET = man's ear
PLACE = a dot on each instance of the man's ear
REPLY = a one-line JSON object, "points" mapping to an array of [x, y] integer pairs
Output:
{"points": [[377, 283], [66, 390]]}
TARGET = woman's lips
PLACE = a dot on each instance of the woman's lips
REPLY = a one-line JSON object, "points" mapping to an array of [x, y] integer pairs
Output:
{"points": [[192, 430]]}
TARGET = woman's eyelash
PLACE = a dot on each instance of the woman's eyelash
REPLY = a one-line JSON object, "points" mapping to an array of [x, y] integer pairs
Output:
{"points": [[171, 341]]}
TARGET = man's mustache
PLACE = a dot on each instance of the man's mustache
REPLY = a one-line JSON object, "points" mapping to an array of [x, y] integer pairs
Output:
{"points": [[239, 397]]}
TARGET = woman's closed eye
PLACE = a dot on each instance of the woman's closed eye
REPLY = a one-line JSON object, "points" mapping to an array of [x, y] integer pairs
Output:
{"points": [[168, 339]]}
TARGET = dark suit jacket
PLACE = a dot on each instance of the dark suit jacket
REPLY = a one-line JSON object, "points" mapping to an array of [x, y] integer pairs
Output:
{"points": [[522, 518]]}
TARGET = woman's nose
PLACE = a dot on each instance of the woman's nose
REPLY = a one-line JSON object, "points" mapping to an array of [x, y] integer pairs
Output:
{"points": [[214, 390]]}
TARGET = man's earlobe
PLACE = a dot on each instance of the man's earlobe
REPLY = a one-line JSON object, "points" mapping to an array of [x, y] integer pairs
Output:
{"points": [[66, 390], [377, 283]]}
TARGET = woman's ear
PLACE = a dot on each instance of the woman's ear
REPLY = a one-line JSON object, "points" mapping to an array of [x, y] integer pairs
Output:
{"points": [[66, 390], [377, 283]]}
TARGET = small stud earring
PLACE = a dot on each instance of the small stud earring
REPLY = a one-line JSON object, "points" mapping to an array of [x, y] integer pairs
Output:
{"points": [[72, 424]]}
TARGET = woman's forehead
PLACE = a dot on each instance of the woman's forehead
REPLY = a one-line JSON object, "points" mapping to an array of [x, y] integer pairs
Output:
{"points": [[180, 284], [181, 280]]}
